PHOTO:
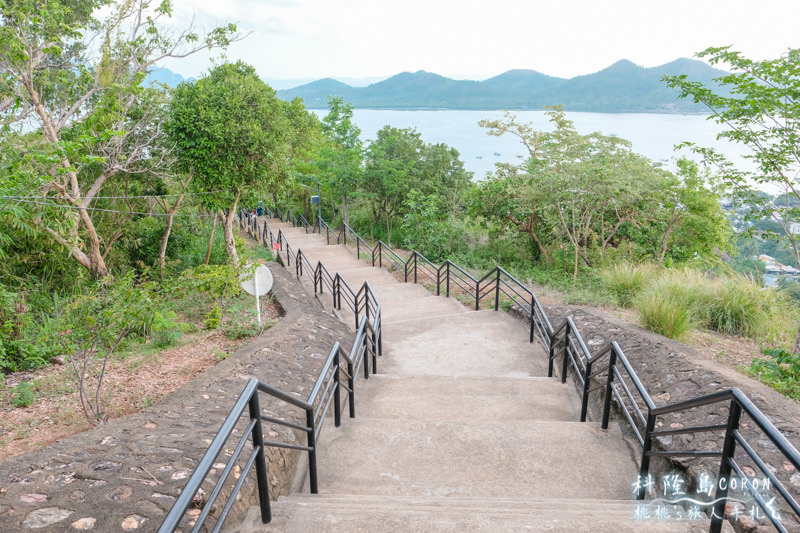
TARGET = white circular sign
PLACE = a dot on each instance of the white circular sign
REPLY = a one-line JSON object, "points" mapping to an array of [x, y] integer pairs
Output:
{"points": [[258, 283]]}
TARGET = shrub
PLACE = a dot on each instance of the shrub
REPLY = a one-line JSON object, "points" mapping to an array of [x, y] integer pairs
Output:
{"points": [[23, 395], [213, 319], [626, 280], [665, 313], [735, 306], [780, 370]]}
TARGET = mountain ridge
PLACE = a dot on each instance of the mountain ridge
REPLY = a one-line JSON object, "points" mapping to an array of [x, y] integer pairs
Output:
{"points": [[620, 87]]}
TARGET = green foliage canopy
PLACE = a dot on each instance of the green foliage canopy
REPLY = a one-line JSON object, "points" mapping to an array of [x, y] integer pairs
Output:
{"points": [[761, 111]]}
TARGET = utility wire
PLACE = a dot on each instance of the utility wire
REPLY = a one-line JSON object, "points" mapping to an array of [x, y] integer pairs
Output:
{"points": [[66, 206], [120, 197]]}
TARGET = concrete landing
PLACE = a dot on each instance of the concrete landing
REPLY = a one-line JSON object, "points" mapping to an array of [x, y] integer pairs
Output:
{"points": [[476, 343]]}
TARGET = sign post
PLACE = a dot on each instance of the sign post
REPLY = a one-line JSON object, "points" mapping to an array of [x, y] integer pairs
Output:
{"points": [[258, 284]]}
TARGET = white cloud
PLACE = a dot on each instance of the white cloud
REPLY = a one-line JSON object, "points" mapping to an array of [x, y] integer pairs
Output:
{"points": [[478, 39]]}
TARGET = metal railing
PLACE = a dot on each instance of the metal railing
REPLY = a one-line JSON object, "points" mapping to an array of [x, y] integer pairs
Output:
{"points": [[609, 371], [305, 224], [339, 371], [326, 393]]}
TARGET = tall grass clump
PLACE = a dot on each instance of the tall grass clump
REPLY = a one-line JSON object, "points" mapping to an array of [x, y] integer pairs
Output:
{"points": [[664, 314], [627, 280], [737, 305], [668, 306]]}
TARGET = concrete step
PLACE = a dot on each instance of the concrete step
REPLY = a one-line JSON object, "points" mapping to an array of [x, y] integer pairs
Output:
{"points": [[356, 513], [476, 343], [529, 459], [388, 396]]}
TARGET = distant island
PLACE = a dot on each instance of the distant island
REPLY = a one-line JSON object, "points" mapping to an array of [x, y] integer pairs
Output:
{"points": [[621, 88]]}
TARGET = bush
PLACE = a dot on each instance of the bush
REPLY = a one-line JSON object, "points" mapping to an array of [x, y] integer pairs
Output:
{"points": [[665, 313], [23, 395], [626, 280], [213, 319], [735, 306], [780, 370]]}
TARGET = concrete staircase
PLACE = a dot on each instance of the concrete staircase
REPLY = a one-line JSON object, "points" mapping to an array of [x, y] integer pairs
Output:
{"points": [[458, 431]]}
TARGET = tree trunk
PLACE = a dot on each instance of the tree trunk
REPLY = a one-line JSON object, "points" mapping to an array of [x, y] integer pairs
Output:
{"points": [[162, 253], [211, 238], [227, 228]]}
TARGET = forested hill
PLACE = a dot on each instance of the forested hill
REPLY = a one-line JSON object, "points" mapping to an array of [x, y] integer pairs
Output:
{"points": [[622, 87]]}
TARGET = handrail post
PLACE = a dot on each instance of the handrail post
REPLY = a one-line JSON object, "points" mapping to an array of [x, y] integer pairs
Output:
{"points": [[356, 306], [318, 276], [380, 254], [585, 399], [551, 355], [261, 463], [358, 249], [337, 401], [448, 279], [497, 290], [312, 452], [565, 362], [728, 449], [612, 364], [438, 281], [644, 465], [533, 317], [477, 294], [374, 351], [298, 264], [352, 392]]}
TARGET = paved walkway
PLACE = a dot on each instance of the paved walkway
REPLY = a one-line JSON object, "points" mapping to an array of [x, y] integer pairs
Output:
{"points": [[459, 431]]}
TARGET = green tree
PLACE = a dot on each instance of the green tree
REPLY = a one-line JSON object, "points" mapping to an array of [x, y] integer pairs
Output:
{"points": [[78, 80], [592, 193], [692, 221], [341, 157], [234, 136], [398, 162], [758, 103], [392, 165]]}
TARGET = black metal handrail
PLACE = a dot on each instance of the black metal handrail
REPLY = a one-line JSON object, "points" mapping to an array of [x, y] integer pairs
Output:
{"points": [[324, 394], [621, 384], [328, 232], [395, 262], [356, 242], [302, 261], [738, 404], [305, 224], [423, 269]]}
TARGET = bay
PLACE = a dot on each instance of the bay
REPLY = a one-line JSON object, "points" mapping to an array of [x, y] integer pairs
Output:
{"points": [[653, 135]]}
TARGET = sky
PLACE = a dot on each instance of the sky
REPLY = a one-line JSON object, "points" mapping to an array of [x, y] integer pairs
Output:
{"points": [[467, 39]]}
